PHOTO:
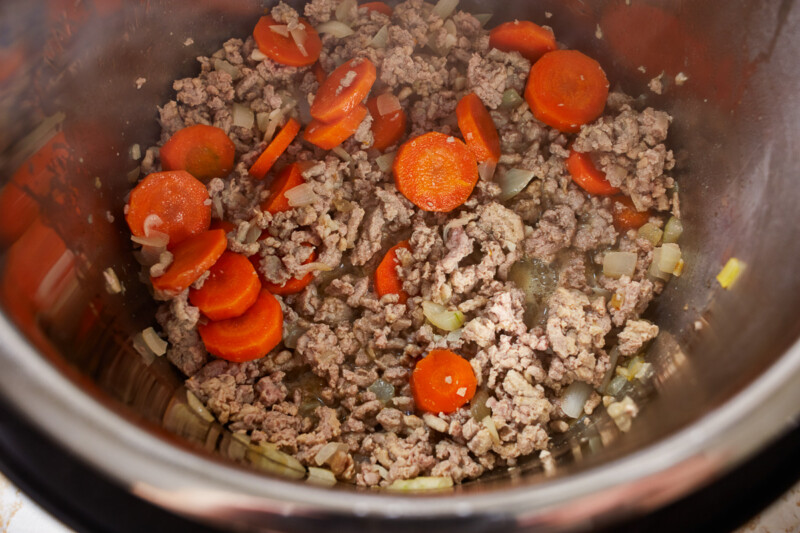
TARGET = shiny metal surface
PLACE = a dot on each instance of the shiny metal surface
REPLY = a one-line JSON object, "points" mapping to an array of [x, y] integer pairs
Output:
{"points": [[721, 393]]}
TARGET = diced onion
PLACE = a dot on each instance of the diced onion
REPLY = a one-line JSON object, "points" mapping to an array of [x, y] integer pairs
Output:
{"points": [[654, 271], [444, 8], [483, 18], [387, 103], [155, 240], [478, 407], [486, 170], [156, 344], [489, 424], [615, 385], [383, 390], [670, 255], [113, 285], [673, 230], [328, 451], [321, 476], [511, 99], [301, 195], [299, 38], [342, 153], [275, 118], [385, 161], [514, 182], [618, 264], [262, 119], [280, 29], [574, 398], [651, 232], [269, 458], [221, 65], [243, 116], [143, 349], [345, 11], [135, 152], [730, 272], [257, 55], [198, 407], [460, 83], [441, 317], [335, 28], [271, 452], [381, 38], [421, 483]]}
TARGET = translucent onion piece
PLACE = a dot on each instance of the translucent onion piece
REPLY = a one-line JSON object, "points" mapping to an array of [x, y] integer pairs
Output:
{"points": [[321, 476], [335, 28], [618, 264], [135, 152], [113, 285], [385, 161], [421, 483], [342, 153], [257, 55], [574, 398], [651, 232], [301, 195], [383, 390], [460, 83], [275, 461], [673, 230], [328, 451], [156, 344], [221, 65], [654, 271], [511, 99], [198, 407], [514, 182], [142, 349], [441, 317], [262, 119], [156, 239], [444, 8], [486, 170], [489, 424], [615, 385], [478, 407], [670, 255], [387, 103], [280, 29], [299, 38], [381, 38], [345, 11], [730, 272], [275, 119], [243, 116], [483, 18]]}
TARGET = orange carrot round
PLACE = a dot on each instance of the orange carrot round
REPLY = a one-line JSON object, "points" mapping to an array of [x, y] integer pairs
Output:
{"points": [[523, 36], [293, 285], [175, 197], [566, 89], [387, 129], [478, 129], [275, 148], [319, 72], [386, 279], [380, 7], [288, 178], [231, 288], [283, 49], [191, 259], [442, 382], [250, 336], [437, 172], [625, 214], [203, 151], [343, 90], [329, 135], [586, 175]]}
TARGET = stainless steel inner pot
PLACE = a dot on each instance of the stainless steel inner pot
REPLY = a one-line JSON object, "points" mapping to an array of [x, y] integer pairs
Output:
{"points": [[727, 362]]}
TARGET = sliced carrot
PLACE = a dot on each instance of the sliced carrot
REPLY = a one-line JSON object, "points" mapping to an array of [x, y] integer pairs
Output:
{"points": [[625, 214], [294, 285], [586, 175], [275, 148], [478, 129], [442, 382], [387, 129], [329, 135], [319, 72], [284, 49], [178, 199], [190, 260], [231, 288], [523, 36], [288, 178], [203, 151], [386, 279], [437, 172], [250, 336], [344, 90], [380, 7], [18, 210], [566, 89]]}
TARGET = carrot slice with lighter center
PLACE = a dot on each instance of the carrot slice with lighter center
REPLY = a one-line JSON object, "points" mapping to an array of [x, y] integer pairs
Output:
{"points": [[566, 89], [343, 90], [478, 129], [626, 216], [293, 285], [250, 336], [330, 135], [289, 178], [387, 129], [386, 279], [178, 199], [190, 260], [231, 288], [203, 151], [437, 172], [274, 150], [523, 36], [275, 42], [442, 381], [586, 175]]}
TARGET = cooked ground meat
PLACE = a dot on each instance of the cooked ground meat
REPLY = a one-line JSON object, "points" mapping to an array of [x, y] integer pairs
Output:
{"points": [[342, 373]]}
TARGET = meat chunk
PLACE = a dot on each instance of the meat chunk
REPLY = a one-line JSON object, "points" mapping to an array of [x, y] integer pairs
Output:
{"points": [[635, 335], [554, 232]]}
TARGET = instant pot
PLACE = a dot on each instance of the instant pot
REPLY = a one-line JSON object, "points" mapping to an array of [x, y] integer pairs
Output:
{"points": [[108, 440]]}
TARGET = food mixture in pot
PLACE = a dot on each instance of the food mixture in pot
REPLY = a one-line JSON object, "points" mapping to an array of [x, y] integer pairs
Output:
{"points": [[393, 245]]}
